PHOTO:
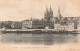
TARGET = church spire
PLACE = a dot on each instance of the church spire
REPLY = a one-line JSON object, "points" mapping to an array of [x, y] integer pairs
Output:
{"points": [[59, 13], [47, 15], [50, 7], [51, 14], [47, 10]]}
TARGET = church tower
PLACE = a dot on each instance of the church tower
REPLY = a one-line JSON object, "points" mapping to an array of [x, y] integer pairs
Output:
{"points": [[59, 14], [47, 15], [51, 14]]}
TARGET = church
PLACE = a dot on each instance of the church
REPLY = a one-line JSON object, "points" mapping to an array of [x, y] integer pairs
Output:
{"points": [[47, 21]]}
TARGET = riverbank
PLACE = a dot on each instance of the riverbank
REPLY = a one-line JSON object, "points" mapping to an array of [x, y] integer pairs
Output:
{"points": [[41, 31]]}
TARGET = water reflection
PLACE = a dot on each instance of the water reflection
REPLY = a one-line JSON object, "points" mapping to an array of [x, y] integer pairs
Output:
{"points": [[47, 39]]}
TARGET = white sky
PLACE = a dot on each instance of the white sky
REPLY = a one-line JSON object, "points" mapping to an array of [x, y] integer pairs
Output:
{"points": [[18, 10]]}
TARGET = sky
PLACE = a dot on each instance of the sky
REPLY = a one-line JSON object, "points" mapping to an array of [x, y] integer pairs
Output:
{"points": [[18, 10]]}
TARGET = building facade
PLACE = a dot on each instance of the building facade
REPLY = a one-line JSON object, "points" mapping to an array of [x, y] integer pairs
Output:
{"points": [[41, 24], [26, 24], [70, 26], [1, 25], [16, 25]]}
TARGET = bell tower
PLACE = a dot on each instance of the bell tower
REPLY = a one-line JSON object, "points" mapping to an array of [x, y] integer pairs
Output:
{"points": [[47, 15], [51, 14], [59, 13]]}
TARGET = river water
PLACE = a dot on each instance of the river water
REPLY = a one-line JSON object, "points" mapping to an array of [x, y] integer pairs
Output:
{"points": [[47, 39]]}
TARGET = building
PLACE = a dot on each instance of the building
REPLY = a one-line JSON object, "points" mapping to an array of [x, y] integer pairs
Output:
{"points": [[41, 24], [63, 23], [26, 24], [48, 21], [36, 24], [16, 25], [70, 26], [1, 25], [6, 24]]}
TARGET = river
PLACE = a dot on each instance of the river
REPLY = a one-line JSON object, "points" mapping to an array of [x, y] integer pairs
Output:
{"points": [[46, 39]]}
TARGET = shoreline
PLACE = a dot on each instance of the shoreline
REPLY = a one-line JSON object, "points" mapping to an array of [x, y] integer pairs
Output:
{"points": [[40, 31]]}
